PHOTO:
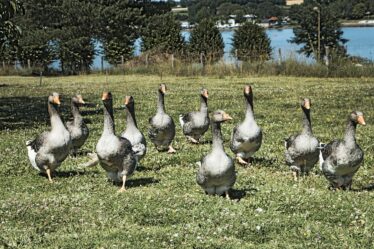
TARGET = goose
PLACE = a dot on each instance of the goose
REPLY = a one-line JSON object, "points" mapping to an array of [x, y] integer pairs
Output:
{"points": [[195, 124], [302, 151], [115, 153], [77, 128], [342, 158], [246, 137], [162, 128], [48, 150], [132, 133], [216, 173]]}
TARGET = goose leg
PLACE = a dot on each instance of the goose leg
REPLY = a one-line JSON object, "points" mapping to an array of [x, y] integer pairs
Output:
{"points": [[123, 189], [241, 160], [295, 175], [227, 195], [48, 170], [171, 149], [192, 140]]}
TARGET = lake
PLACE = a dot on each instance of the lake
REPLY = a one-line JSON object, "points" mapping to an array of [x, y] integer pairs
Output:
{"points": [[361, 43]]}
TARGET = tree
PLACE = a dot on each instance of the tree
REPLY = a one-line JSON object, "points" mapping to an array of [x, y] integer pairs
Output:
{"points": [[206, 39], [9, 31], [250, 43], [162, 34], [359, 11], [118, 29], [306, 33]]}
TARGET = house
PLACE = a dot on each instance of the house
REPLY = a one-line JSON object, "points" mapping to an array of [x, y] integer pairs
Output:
{"points": [[293, 2]]}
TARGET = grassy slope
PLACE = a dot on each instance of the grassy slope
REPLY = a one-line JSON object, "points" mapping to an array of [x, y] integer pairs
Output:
{"points": [[163, 206]]}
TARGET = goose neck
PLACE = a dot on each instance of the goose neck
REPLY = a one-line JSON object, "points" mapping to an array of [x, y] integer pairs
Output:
{"points": [[160, 103], [307, 124], [203, 105], [56, 122], [76, 114], [350, 133], [108, 119], [130, 117], [217, 136]]}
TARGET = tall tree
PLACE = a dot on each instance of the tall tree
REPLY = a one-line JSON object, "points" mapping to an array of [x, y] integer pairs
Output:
{"points": [[250, 43], [318, 28], [206, 39], [162, 34], [118, 29]]}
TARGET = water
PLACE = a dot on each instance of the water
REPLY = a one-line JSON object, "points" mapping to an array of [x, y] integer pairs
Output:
{"points": [[361, 43]]}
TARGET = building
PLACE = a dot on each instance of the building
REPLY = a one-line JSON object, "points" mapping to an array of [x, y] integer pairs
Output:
{"points": [[292, 2]]}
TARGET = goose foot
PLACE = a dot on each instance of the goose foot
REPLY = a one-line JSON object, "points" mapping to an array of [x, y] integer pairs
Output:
{"points": [[192, 140], [227, 195], [171, 150], [295, 176], [49, 175], [242, 161], [123, 189]]}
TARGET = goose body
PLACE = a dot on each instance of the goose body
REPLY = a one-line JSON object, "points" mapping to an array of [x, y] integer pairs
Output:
{"points": [[48, 150], [302, 151], [77, 128], [132, 133], [216, 173], [161, 126], [342, 158], [114, 153], [195, 124], [246, 137]]}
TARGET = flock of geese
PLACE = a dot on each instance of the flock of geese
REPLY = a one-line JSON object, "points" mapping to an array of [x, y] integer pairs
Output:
{"points": [[119, 155]]}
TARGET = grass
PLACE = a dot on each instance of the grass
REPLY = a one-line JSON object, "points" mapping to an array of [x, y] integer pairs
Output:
{"points": [[163, 206]]}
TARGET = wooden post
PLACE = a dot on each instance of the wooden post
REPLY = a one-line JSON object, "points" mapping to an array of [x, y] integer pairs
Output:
{"points": [[40, 78], [15, 65], [146, 60], [201, 59], [122, 61], [279, 56], [327, 56], [29, 63], [4, 65], [102, 64], [172, 61]]}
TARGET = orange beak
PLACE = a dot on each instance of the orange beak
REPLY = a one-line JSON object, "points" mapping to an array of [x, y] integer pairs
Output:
{"points": [[361, 120], [81, 100], [105, 96], [227, 117], [56, 100], [307, 105], [205, 94], [247, 89], [163, 89], [127, 100]]}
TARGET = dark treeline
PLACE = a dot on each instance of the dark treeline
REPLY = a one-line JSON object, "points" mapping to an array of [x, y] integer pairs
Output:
{"points": [[67, 30], [222, 9]]}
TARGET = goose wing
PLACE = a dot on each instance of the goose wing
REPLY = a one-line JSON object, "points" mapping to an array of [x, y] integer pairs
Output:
{"points": [[38, 142], [329, 149]]}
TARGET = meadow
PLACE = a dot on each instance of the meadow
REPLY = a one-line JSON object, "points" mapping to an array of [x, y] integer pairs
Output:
{"points": [[163, 206]]}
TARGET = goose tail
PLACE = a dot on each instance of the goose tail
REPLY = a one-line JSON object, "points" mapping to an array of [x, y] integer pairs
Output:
{"points": [[32, 154], [321, 160]]}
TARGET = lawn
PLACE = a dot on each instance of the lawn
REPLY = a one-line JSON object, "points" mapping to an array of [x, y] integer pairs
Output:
{"points": [[163, 206]]}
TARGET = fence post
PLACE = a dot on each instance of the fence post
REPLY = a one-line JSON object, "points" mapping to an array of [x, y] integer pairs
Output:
{"points": [[102, 64], [4, 65], [327, 56], [146, 60], [202, 59], [40, 78], [15, 65], [122, 61], [29, 63], [279, 56], [172, 61]]}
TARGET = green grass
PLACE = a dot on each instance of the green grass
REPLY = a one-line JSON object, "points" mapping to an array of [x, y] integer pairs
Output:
{"points": [[163, 206]]}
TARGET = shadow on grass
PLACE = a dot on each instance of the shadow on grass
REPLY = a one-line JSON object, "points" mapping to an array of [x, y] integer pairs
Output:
{"points": [[265, 162], [67, 174], [238, 194], [138, 182]]}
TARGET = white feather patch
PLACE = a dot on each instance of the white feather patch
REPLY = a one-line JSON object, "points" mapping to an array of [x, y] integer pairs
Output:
{"points": [[32, 155], [181, 120]]}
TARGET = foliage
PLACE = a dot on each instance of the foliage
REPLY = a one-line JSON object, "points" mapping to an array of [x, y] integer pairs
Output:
{"points": [[206, 39], [162, 34], [118, 30], [306, 34], [163, 206], [251, 43]]}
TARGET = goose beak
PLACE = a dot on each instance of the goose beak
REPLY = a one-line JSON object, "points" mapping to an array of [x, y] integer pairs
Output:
{"points": [[247, 89], [227, 117], [307, 105], [361, 120], [127, 100], [206, 94], [56, 100], [105, 96]]}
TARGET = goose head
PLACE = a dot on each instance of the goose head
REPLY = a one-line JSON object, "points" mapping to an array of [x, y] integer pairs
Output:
{"points": [[357, 117], [306, 104], [248, 91], [129, 102], [220, 116], [78, 100], [162, 89], [107, 98], [54, 99], [204, 94]]}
